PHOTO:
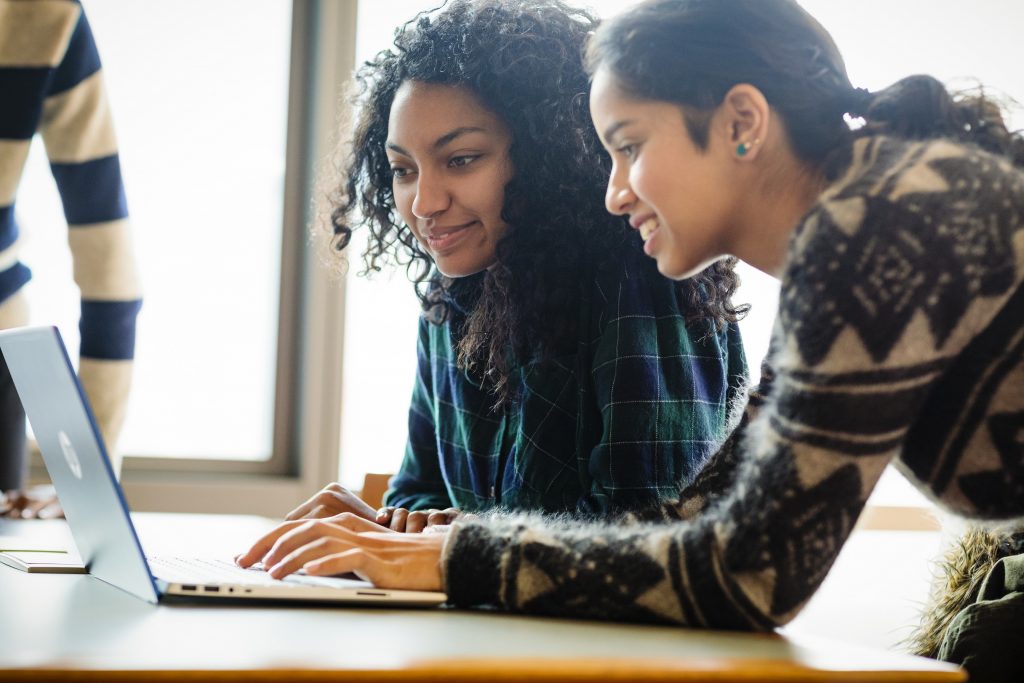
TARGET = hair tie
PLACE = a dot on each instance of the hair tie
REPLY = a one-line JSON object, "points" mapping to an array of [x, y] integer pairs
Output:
{"points": [[858, 101]]}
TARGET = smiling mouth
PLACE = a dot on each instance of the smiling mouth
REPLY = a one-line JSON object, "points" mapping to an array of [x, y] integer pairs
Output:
{"points": [[438, 240], [648, 228]]}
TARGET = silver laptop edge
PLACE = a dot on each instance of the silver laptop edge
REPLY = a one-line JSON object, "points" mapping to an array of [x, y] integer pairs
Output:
{"points": [[94, 503]]}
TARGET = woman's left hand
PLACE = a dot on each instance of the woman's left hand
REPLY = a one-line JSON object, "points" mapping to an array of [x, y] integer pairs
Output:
{"points": [[400, 519], [337, 545]]}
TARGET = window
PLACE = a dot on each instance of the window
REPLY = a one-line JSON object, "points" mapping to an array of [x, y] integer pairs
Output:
{"points": [[201, 124], [221, 116]]}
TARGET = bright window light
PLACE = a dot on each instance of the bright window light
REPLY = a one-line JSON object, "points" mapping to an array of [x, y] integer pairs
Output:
{"points": [[199, 92]]}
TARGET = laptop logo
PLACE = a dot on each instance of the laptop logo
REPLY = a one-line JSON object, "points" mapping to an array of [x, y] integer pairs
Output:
{"points": [[74, 464]]}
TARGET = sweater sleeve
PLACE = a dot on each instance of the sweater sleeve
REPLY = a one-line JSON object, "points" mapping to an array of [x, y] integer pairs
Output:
{"points": [[663, 387], [419, 483], [78, 131], [855, 365]]}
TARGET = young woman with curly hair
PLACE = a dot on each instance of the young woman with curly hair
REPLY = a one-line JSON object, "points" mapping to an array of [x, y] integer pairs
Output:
{"points": [[899, 337], [557, 371]]}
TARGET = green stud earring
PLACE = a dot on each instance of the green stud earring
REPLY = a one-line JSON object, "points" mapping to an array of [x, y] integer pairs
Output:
{"points": [[744, 147]]}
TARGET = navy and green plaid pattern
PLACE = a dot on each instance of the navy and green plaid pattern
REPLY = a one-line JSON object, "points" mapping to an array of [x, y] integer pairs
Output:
{"points": [[624, 422]]}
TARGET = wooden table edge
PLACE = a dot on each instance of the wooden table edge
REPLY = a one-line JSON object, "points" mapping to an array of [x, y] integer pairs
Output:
{"points": [[508, 670]]}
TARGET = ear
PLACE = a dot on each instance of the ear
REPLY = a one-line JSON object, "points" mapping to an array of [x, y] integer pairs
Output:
{"points": [[743, 121]]}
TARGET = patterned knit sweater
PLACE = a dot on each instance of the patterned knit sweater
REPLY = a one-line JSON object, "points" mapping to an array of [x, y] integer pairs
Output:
{"points": [[51, 82], [899, 338]]}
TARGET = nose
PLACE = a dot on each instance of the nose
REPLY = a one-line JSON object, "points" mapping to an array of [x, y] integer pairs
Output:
{"points": [[618, 197], [432, 196]]}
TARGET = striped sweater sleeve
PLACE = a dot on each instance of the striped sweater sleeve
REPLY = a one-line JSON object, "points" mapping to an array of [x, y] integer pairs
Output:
{"points": [[78, 130], [62, 96]]}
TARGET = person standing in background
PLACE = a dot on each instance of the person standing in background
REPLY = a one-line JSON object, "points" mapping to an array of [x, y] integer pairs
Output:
{"points": [[52, 83]]}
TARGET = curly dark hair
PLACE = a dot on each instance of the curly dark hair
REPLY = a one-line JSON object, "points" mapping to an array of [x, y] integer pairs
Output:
{"points": [[523, 61]]}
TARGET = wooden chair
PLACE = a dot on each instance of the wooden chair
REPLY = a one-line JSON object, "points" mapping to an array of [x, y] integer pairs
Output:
{"points": [[374, 487]]}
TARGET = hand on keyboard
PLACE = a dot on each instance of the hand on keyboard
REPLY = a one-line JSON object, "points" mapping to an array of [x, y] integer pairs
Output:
{"points": [[326, 548], [331, 500]]}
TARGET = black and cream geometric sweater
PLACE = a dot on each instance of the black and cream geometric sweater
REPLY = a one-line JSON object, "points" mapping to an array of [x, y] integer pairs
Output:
{"points": [[899, 338]]}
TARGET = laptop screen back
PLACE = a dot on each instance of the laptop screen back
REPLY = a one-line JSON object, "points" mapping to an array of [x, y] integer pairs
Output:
{"points": [[76, 459]]}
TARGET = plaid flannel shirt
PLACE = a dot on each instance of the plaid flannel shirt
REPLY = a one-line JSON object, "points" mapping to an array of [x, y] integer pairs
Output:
{"points": [[626, 421]]}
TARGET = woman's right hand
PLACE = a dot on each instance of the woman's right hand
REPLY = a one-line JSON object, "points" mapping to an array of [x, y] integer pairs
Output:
{"points": [[332, 500]]}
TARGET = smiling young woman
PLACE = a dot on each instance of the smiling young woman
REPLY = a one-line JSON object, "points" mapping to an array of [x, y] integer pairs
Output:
{"points": [[694, 203], [450, 175], [556, 370]]}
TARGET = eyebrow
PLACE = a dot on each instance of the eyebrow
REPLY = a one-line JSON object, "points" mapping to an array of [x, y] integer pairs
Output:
{"points": [[443, 140], [614, 128]]}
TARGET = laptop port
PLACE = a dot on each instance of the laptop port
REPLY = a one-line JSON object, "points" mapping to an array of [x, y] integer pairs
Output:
{"points": [[186, 587], [372, 593], [211, 589]]}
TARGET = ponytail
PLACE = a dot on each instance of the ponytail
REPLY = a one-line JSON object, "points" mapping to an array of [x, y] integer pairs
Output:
{"points": [[920, 107]]}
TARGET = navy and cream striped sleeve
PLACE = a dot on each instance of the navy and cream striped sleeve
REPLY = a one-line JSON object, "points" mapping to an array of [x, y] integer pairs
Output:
{"points": [[50, 67]]}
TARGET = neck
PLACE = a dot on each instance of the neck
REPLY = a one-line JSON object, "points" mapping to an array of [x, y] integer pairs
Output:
{"points": [[768, 221]]}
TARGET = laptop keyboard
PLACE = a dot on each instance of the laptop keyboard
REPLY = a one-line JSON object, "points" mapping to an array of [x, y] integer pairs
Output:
{"points": [[192, 570], [206, 571]]}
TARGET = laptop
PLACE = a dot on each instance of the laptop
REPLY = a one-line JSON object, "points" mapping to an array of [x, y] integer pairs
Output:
{"points": [[98, 515]]}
